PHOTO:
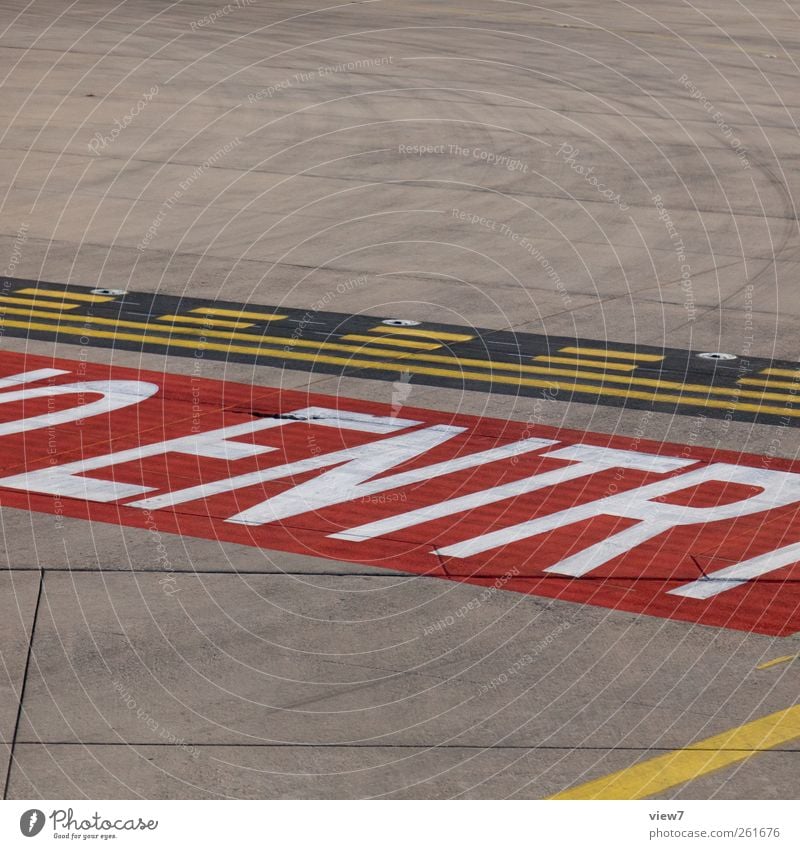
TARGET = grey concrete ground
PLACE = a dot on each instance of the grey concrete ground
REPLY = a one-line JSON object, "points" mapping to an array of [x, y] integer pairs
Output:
{"points": [[345, 142]]}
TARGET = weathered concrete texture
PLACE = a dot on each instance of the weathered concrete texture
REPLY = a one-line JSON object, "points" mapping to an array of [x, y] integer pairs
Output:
{"points": [[356, 661], [425, 160], [341, 772], [18, 593]]}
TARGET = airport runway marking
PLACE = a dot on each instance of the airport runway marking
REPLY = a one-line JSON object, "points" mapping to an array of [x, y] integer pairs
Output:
{"points": [[240, 313], [408, 365], [605, 352], [581, 371], [674, 768], [680, 532]]}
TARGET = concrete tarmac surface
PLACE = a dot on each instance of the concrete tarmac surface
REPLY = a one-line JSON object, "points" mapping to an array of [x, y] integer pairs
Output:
{"points": [[586, 170]]}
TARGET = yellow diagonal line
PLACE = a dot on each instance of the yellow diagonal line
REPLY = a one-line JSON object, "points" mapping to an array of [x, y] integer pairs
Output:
{"points": [[659, 774], [778, 660], [407, 365]]}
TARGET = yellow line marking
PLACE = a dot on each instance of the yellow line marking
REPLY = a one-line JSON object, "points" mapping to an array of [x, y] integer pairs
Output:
{"points": [[427, 334], [400, 343], [490, 365], [264, 316], [668, 770], [781, 372], [191, 331], [405, 363], [775, 384], [6, 299], [620, 355], [778, 660], [604, 364], [67, 296], [208, 322]]}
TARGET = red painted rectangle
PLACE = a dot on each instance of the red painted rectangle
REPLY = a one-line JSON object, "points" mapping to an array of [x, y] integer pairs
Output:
{"points": [[665, 530]]}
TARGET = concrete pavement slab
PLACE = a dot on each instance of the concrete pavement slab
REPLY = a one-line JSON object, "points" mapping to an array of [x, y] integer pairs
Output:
{"points": [[342, 660], [296, 126], [18, 596], [251, 772]]}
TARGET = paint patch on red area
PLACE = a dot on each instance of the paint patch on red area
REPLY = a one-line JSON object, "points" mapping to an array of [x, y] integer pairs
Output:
{"points": [[650, 528]]}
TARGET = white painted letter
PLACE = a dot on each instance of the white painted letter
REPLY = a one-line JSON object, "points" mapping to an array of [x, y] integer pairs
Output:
{"points": [[777, 489]]}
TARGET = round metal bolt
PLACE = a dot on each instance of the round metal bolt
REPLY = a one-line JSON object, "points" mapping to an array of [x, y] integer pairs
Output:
{"points": [[717, 355], [400, 322]]}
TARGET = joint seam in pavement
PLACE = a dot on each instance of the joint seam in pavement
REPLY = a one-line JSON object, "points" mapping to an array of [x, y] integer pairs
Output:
{"points": [[428, 746], [24, 683]]}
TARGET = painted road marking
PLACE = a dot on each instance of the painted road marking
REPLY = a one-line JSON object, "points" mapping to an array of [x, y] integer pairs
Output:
{"points": [[206, 322], [582, 371], [202, 344], [775, 384], [262, 316], [782, 372], [64, 294], [441, 335], [480, 497], [584, 363], [739, 574], [400, 343], [201, 337], [589, 460], [31, 302], [785, 659], [669, 770], [294, 341], [608, 352]]}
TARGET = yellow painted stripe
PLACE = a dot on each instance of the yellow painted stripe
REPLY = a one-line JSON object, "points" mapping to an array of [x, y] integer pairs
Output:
{"points": [[655, 383], [65, 295], [400, 343], [207, 322], [775, 384], [263, 316], [84, 321], [426, 334], [784, 659], [618, 355], [782, 372], [404, 362], [659, 774], [6, 299], [492, 366], [603, 364]]}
